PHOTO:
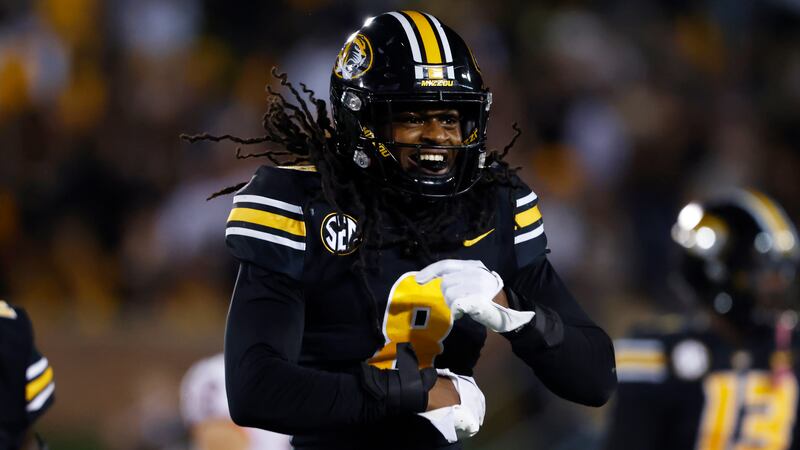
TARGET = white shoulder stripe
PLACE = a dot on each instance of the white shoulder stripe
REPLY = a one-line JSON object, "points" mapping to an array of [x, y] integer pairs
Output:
{"points": [[39, 401], [269, 202], [36, 369], [280, 240], [527, 199], [529, 235]]}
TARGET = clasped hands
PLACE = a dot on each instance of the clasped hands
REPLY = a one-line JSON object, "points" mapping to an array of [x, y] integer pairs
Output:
{"points": [[469, 288], [455, 404]]}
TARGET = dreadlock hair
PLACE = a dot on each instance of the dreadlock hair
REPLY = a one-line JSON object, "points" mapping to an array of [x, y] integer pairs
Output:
{"points": [[307, 138]]}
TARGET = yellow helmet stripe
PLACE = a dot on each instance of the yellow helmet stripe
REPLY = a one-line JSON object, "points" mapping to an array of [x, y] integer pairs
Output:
{"points": [[771, 213], [429, 39], [268, 219], [448, 54], [771, 216]]}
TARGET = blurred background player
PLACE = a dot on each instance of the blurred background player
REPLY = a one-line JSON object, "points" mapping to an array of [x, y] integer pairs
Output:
{"points": [[26, 381], [204, 407], [726, 377]]}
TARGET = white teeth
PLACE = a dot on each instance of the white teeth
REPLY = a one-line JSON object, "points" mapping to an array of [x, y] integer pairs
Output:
{"points": [[431, 157]]}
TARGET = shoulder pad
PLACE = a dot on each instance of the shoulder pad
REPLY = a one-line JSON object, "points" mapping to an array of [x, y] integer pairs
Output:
{"points": [[23, 365], [266, 225], [530, 242], [641, 360]]}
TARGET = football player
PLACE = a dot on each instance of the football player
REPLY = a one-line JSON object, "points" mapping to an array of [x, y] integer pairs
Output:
{"points": [[26, 380], [726, 379], [370, 274]]}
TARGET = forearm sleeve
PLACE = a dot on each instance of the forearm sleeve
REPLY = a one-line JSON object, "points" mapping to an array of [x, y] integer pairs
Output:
{"points": [[266, 387], [572, 356]]}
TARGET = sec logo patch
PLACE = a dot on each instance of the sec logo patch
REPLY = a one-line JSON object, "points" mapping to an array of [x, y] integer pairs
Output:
{"points": [[337, 231]]}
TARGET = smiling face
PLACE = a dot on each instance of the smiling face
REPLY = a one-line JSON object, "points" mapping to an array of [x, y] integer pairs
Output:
{"points": [[426, 127]]}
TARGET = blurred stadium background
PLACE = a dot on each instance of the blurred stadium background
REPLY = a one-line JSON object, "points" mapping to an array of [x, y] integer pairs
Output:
{"points": [[628, 109]]}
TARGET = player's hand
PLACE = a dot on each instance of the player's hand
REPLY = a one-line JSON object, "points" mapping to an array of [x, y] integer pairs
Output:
{"points": [[463, 420], [470, 288]]}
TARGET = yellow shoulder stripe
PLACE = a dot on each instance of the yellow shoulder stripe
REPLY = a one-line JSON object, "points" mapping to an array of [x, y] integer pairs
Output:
{"points": [[528, 217], [36, 386], [429, 41], [268, 219], [640, 357], [471, 242]]}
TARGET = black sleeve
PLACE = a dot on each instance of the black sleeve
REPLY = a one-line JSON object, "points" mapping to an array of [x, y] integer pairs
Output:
{"points": [[26, 378], [16, 342], [638, 419], [572, 356], [265, 386]]}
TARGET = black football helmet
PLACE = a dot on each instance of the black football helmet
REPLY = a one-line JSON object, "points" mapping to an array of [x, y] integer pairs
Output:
{"points": [[400, 61], [740, 254]]}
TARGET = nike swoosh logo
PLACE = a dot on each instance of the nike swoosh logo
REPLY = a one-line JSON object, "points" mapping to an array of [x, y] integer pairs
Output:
{"points": [[471, 242]]}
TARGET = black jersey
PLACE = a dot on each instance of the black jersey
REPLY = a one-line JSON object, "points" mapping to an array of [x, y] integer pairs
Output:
{"points": [[26, 378], [304, 319], [692, 389]]}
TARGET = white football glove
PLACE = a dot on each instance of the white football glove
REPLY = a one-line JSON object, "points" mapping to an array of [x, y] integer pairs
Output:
{"points": [[469, 288], [461, 421]]}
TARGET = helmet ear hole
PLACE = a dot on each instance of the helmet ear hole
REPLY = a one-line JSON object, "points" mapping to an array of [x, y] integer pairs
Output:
{"points": [[351, 101], [361, 159]]}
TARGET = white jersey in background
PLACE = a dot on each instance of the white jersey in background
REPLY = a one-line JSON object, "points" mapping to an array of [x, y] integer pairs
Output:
{"points": [[204, 408]]}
